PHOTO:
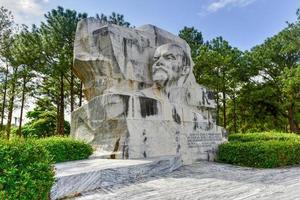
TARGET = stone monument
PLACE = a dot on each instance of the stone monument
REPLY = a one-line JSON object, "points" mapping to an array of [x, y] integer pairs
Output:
{"points": [[143, 100]]}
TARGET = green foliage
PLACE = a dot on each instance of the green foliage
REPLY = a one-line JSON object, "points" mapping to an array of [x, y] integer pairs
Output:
{"points": [[262, 154], [193, 37], [262, 150], [114, 18], [220, 67], [276, 63], [3, 133], [44, 125], [57, 37], [42, 121], [25, 171], [65, 149], [259, 108], [6, 27], [255, 90], [262, 136]]}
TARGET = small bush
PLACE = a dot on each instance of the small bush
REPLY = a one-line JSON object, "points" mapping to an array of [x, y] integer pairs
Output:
{"points": [[26, 171], [263, 150], [65, 149], [26, 166], [248, 137]]}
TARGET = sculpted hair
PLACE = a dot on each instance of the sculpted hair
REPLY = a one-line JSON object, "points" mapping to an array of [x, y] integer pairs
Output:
{"points": [[185, 58]]}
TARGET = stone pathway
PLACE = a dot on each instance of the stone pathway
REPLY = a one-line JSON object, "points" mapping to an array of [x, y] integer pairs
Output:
{"points": [[209, 181]]}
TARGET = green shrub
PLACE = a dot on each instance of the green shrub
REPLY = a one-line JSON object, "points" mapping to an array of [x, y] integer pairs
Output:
{"points": [[261, 154], [26, 171], [43, 120], [44, 126], [65, 149], [248, 137]]}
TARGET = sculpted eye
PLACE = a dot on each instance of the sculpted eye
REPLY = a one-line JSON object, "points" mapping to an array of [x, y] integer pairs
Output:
{"points": [[170, 57], [155, 58]]}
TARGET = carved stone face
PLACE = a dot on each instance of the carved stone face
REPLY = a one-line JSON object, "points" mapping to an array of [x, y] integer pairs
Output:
{"points": [[169, 64]]}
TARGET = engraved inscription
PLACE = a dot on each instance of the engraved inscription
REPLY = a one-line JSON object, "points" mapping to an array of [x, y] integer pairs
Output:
{"points": [[203, 139]]}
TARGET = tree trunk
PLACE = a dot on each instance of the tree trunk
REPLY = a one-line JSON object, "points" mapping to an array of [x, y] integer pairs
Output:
{"points": [[217, 101], [62, 105], [224, 98], [234, 115], [294, 126], [80, 94], [22, 106], [57, 115], [4, 98], [218, 109], [11, 104], [224, 110], [72, 90]]}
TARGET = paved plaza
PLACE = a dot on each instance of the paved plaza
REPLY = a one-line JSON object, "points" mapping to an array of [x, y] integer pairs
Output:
{"points": [[206, 180]]}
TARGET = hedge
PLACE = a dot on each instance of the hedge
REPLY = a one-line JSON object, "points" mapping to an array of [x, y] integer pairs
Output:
{"points": [[248, 137], [65, 149], [26, 166], [262, 153], [26, 171]]}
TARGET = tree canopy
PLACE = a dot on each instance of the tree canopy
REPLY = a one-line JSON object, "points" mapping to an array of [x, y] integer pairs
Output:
{"points": [[254, 90]]}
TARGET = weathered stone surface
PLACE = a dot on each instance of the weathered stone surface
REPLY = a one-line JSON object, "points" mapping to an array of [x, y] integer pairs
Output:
{"points": [[75, 177], [143, 100], [110, 58], [209, 181]]}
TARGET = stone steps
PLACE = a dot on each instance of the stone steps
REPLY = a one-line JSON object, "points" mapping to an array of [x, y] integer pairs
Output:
{"points": [[73, 178]]}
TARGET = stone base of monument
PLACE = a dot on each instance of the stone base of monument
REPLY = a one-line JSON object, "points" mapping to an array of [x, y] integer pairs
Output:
{"points": [[73, 178]]}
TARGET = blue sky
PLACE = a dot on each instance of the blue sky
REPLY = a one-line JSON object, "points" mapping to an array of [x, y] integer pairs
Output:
{"points": [[244, 23]]}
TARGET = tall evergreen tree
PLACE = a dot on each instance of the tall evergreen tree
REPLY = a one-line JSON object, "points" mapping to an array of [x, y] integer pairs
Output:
{"points": [[217, 66], [58, 34], [193, 37], [114, 18]]}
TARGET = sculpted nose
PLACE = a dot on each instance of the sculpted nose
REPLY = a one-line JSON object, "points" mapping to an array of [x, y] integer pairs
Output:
{"points": [[158, 63]]}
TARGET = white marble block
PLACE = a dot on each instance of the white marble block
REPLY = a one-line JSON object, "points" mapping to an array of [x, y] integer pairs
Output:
{"points": [[76, 177]]}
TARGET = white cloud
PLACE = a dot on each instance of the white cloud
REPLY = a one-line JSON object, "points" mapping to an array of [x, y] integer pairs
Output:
{"points": [[25, 11], [217, 5]]}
